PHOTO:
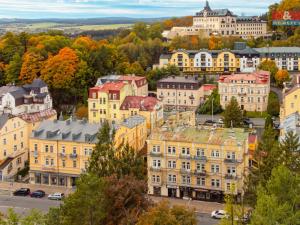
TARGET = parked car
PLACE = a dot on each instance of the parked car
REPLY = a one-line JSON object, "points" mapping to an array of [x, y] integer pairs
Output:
{"points": [[22, 192], [218, 214], [210, 122], [37, 194], [247, 121], [56, 196]]}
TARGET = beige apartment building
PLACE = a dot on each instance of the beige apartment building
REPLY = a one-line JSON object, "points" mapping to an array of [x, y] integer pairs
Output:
{"points": [[197, 162], [250, 90], [179, 92]]}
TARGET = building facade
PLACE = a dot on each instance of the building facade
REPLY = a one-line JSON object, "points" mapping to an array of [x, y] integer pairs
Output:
{"points": [[221, 22], [197, 162], [240, 59], [149, 107], [14, 145], [60, 150], [250, 90], [179, 92], [30, 98]]}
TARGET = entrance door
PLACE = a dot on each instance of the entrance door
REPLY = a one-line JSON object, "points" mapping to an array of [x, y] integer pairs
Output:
{"points": [[172, 192]]}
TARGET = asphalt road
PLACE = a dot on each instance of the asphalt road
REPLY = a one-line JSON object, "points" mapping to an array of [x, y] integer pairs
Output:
{"points": [[205, 219]]}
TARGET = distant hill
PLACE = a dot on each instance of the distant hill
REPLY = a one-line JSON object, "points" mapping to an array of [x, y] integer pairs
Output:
{"points": [[89, 21]]}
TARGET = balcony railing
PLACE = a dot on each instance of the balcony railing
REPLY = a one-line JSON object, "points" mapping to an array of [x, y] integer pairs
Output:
{"points": [[200, 173], [35, 153], [185, 171], [231, 176], [73, 156], [156, 154], [181, 156], [233, 161], [192, 97], [242, 93], [62, 154], [185, 184], [155, 169], [200, 158]]}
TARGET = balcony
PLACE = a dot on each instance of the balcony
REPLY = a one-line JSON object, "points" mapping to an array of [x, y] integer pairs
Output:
{"points": [[200, 158], [185, 184], [185, 171], [232, 161], [192, 97], [155, 169], [73, 156], [155, 154], [242, 93], [62, 154], [181, 156], [231, 176], [200, 173]]}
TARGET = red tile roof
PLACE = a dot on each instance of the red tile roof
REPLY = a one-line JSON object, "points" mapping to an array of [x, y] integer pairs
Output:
{"points": [[140, 81], [259, 77], [114, 86], [39, 116], [208, 87], [139, 102]]}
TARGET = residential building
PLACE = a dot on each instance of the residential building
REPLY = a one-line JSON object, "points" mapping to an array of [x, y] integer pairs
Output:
{"points": [[221, 22], [179, 92], [13, 145], [60, 150], [250, 90], [29, 98], [105, 100], [240, 59], [206, 90], [197, 162], [149, 107], [291, 100], [138, 83]]}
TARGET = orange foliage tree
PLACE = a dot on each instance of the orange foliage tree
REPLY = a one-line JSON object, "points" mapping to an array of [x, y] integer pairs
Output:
{"points": [[282, 76], [31, 67], [59, 70]]}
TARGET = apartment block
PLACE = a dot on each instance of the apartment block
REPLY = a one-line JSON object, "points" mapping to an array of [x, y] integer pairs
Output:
{"points": [[250, 90], [197, 162]]}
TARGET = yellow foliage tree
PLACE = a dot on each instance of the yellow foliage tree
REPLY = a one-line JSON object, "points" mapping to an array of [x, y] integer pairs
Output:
{"points": [[31, 67], [282, 76]]}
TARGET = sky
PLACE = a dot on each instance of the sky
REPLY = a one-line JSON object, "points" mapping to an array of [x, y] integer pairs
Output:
{"points": [[37, 9]]}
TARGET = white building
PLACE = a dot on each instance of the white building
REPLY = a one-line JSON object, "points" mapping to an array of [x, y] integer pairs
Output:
{"points": [[30, 98]]}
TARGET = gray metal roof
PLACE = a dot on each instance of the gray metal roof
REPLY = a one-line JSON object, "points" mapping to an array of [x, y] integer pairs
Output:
{"points": [[68, 130], [3, 119], [180, 79], [278, 50], [133, 121], [36, 83]]}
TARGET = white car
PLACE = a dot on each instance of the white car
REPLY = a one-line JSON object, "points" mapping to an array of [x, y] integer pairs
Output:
{"points": [[220, 121], [56, 196], [218, 214]]}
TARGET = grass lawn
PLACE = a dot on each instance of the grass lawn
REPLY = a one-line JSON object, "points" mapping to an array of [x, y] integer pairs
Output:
{"points": [[256, 114]]}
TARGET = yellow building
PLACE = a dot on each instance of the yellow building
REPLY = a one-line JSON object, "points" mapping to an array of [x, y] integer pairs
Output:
{"points": [[291, 101], [104, 101], [149, 107], [197, 162], [59, 150]]}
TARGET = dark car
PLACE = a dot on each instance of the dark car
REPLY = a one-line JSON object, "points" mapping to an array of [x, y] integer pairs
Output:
{"points": [[37, 194], [247, 121], [209, 122], [22, 192]]}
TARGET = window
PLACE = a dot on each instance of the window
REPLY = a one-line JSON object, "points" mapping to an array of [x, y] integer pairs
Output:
{"points": [[186, 165], [201, 181], [171, 150], [63, 163], [15, 137], [156, 163], [186, 179], [215, 182], [52, 162], [156, 148], [4, 152], [200, 152], [74, 150], [155, 178], [15, 147], [230, 155], [185, 151], [171, 164], [22, 144], [74, 163], [46, 148], [215, 153], [21, 134], [215, 168], [86, 152], [47, 162], [172, 178], [231, 170], [114, 106], [4, 141], [36, 160], [63, 149], [94, 105], [51, 148], [200, 167]]}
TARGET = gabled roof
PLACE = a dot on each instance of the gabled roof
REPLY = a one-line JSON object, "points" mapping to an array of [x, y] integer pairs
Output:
{"points": [[111, 86], [133, 121], [139, 102], [3, 119], [36, 83]]}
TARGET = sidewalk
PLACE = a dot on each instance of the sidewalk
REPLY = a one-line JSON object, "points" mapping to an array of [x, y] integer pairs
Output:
{"points": [[198, 206], [12, 186]]}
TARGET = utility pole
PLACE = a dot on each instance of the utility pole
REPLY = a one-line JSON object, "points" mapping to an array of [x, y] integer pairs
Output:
{"points": [[212, 109]]}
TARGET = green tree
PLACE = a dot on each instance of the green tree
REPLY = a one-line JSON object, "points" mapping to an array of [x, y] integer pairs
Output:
{"points": [[268, 121], [13, 69], [273, 104], [206, 108], [233, 115], [269, 65], [163, 214], [278, 202], [290, 154], [35, 217]]}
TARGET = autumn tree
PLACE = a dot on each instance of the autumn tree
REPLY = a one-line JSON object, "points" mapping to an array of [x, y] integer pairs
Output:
{"points": [[2, 74], [269, 65], [282, 76], [31, 67], [59, 71], [12, 70], [164, 214]]}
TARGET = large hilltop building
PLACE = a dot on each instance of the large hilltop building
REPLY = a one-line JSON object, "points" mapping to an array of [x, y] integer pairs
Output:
{"points": [[221, 22]]}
